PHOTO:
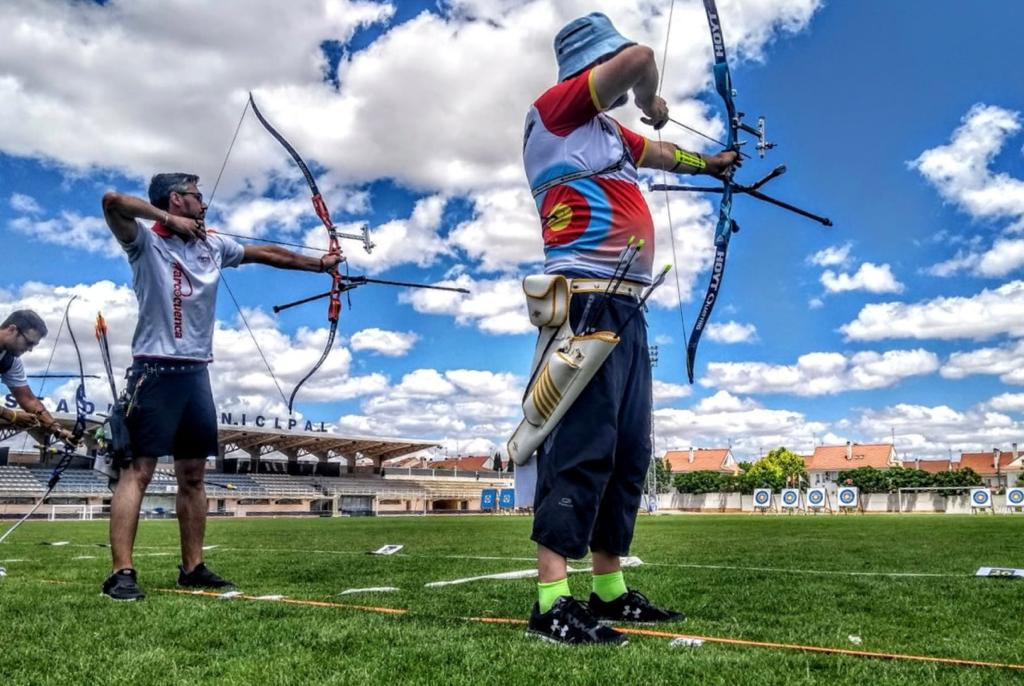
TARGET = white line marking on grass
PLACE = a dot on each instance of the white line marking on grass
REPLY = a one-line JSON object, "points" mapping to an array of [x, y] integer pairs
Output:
{"points": [[84, 557], [523, 574], [787, 570], [20, 559], [375, 589]]}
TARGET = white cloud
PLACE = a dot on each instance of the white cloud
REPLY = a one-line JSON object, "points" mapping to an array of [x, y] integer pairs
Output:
{"points": [[732, 332], [987, 314], [832, 256], [424, 383], [64, 66], [25, 204], [822, 373], [664, 391], [387, 343], [938, 431], [415, 240], [504, 232], [494, 307], [1005, 256], [962, 261], [1006, 362], [470, 410], [960, 170], [239, 377], [724, 419], [1007, 402], [869, 277], [70, 230]]}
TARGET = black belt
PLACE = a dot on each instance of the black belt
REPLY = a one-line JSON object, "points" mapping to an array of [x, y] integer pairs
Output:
{"points": [[150, 365]]}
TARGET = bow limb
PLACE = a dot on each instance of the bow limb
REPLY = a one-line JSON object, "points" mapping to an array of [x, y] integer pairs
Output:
{"points": [[333, 247], [726, 226], [311, 372]]}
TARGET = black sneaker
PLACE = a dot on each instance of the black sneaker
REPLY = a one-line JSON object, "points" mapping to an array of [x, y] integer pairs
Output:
{"points": [[570, 622], [632, 606], [201, 577], [122, 585]]}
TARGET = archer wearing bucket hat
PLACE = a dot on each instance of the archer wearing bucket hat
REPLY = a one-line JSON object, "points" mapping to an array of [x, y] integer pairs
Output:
{"points": [[582, 168]]}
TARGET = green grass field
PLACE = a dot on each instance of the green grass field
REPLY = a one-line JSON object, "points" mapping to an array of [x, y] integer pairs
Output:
{"points": [[799, 580]]}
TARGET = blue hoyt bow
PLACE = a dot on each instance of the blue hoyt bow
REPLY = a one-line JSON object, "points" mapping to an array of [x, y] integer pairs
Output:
{"points": [[726, 224]]}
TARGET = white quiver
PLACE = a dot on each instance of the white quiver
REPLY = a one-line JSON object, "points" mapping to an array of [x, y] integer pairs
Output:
{"points": [[562, 366]]}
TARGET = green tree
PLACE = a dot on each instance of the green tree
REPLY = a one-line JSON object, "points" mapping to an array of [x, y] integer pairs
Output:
{"points": [[776, 470], [662, 475], [705, 481]]}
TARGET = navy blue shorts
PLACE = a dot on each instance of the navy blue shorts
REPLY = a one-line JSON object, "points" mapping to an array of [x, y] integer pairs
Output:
{"points": [[591, 468], [172, 412]]}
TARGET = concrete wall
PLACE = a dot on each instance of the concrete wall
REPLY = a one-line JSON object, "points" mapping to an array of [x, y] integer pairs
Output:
{"points": [[922, 502]]}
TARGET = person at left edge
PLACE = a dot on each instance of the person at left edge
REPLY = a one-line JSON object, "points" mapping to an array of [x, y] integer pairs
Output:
{"points": [[176, 267], [20, 333]]}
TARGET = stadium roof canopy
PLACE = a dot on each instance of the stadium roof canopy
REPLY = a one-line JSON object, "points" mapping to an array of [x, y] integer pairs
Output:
{"points": [[256, 442], [259, 441]]}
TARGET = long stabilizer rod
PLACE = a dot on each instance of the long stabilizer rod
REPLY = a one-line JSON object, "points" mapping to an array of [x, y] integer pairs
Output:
{"points": [[350, 282]]}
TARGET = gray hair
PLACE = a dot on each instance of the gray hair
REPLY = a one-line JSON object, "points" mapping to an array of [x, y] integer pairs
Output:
{"points": [[162, 185]]}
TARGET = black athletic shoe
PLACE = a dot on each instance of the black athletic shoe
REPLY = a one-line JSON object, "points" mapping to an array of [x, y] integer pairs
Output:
{"points": [[201, 577], [122, 585], [570, 622], [632, 606]]}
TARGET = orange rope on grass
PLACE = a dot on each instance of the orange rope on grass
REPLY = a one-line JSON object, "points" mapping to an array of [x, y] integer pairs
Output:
{"points": [[823, 650], [291, 601]]}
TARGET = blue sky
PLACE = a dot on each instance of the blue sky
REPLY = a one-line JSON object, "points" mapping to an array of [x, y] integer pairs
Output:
{"points": [[899, 120]]}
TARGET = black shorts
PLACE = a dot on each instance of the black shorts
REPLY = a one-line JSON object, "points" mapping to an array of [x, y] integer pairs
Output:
{"points": [[172, 411], [591, 468]]}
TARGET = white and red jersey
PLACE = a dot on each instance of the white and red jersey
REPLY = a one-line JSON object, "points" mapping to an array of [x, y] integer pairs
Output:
{"points": [[175, 282], [582, 169]]}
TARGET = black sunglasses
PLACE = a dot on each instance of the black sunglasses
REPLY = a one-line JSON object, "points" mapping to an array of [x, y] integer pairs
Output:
{"points": [[197, 194]]}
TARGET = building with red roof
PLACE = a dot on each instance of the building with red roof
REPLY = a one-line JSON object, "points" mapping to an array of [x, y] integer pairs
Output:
{"points": [[824, 465], [930, 466], [702, 459], [997, 468]]}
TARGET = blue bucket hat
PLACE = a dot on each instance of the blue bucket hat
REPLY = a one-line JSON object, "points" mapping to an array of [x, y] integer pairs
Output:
{"points": [[584, 41]]}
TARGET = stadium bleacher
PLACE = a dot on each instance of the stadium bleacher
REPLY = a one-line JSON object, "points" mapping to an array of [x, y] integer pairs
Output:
{"points": [[74, 481], [18, 480], [359, 491]]}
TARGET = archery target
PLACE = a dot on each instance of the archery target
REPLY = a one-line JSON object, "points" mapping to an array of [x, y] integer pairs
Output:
{"points": [[848, 496], [790, 498], [1015, 497], [816, 497], [762, 497], [981, 497]]}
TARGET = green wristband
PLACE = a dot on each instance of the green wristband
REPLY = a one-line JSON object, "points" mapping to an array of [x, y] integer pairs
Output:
{"points": [[689, 159]]}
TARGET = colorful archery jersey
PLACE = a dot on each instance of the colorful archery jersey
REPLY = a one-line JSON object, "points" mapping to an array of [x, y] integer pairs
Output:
{"points": [[582, 168]]}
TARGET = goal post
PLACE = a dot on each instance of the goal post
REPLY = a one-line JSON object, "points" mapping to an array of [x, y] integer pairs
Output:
{"points": [[84, 512]]}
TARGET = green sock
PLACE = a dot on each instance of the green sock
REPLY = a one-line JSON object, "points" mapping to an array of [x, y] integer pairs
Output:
{"points": [[608, 587], [547, 594]]}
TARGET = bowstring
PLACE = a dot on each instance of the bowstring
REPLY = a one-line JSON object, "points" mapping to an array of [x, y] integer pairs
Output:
{"points": [[664, 177], [220, 272], [49, 362]]}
